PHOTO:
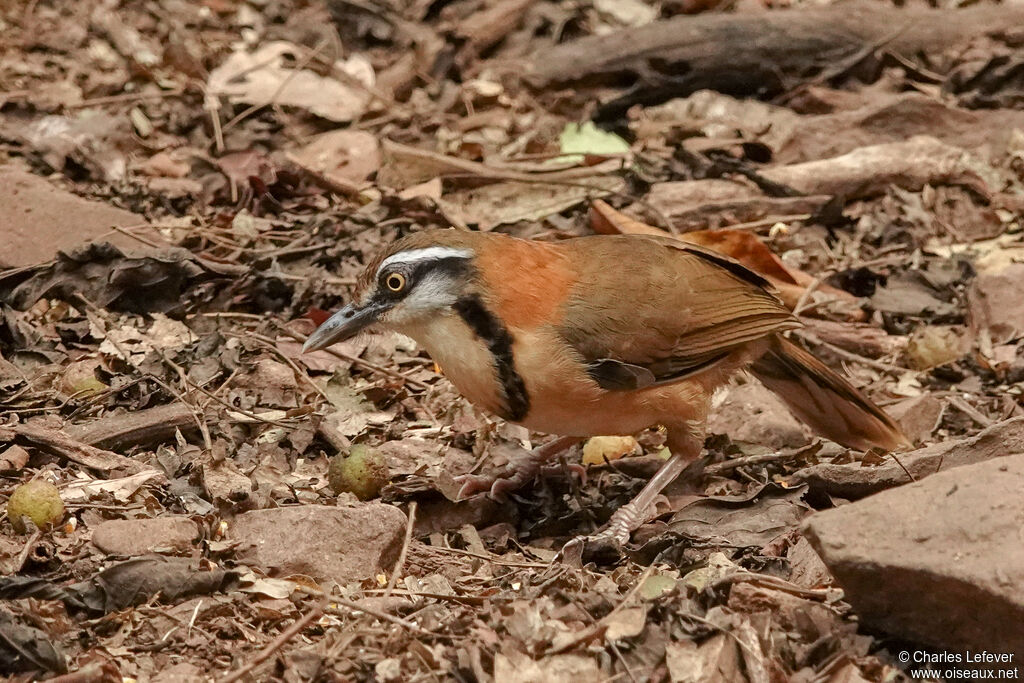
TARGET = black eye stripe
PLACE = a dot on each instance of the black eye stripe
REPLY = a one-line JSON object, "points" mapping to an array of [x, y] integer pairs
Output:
{"points": [[453, 266]]}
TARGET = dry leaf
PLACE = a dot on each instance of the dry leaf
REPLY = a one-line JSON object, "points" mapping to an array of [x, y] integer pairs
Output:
{"points": [[262, 77], [626, 623]]}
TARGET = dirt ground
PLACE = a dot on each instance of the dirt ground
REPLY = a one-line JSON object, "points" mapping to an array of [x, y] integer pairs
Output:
{"points": [[190, 187]]}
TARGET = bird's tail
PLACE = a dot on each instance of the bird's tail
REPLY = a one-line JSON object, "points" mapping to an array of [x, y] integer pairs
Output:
{"points": [[824, 400]]}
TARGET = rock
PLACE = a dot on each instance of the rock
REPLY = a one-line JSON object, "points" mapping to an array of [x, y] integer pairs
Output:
{"points": [[939, 561], [856, 481], [40, 218], [141, 536], [341, 544], [753, 414]]}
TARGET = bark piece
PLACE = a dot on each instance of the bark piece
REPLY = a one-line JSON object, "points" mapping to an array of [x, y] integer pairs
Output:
{"points": [[61, 445], [869, 171], [124, 430], [939, 561], [756, 53], [893, 118], [711, 203]]}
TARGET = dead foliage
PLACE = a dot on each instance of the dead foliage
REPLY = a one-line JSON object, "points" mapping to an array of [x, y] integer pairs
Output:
{"points": [[193, 186]]}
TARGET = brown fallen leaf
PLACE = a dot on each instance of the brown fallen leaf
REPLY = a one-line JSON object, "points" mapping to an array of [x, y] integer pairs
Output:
{"points": [[341, 160], [263, 77]]}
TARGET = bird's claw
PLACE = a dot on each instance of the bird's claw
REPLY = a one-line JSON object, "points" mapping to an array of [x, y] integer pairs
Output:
{"points": [[517, 474], [606, 543]]}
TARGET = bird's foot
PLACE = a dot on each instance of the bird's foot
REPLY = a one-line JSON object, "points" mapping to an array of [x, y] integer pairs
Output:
{"points": [[517, 474], [609, 541]]}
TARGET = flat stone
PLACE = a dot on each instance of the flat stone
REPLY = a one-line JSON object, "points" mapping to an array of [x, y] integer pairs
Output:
{"points": [[40, 218], [340, 544], [142, 536], [856, 481], [939, 561]]}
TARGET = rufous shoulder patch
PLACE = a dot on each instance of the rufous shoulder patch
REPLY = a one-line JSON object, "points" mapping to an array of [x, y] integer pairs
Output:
{"points": [[525, 282]]}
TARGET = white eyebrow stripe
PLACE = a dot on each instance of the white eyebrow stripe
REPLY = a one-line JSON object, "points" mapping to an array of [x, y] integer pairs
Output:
{"points": [[425, 254]]}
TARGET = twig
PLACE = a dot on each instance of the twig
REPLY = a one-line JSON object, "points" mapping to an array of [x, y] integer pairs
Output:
{"points": [[357, 361], [850, 356], [902, 467], [276, 644], [501, 563], [126, 97], [729, 465], [372, 611], [299, 66], [380, 614], [400, 564], [767, 580], [212, 106], [769, 220], [189, 383], [270, 345], [26, 551], [140, 238], [57, 443], [970, 411], [805, 296]]}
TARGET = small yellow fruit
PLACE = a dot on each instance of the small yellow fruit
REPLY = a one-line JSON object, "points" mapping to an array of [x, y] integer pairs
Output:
{"points": [[601, 448], [38, 500], [364, 473]]}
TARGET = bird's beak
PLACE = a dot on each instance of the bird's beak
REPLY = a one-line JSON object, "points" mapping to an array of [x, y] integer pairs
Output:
{"points": [[345, 324]]}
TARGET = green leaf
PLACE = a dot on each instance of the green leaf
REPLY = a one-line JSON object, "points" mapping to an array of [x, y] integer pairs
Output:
{"points": [[587, 138]]}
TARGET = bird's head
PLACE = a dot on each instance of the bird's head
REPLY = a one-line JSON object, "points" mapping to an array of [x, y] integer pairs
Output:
{"points": [[415, 279]]}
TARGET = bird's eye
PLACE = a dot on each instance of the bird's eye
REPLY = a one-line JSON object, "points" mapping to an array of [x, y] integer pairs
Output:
{"points": [[395, 282]]}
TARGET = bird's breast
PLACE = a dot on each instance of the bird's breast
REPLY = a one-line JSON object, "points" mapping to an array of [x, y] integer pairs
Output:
{"points": [[463, 357]]}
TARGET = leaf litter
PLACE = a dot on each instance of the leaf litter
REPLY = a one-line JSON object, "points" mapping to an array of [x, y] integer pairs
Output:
{"points": [[268, 150]]}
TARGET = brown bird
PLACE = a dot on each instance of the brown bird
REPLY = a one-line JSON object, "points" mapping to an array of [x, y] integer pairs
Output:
{"points": [[600, 335]]}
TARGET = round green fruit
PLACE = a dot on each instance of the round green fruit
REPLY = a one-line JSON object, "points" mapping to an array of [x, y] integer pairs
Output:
{"points": [[363, 473], [39, 500]]}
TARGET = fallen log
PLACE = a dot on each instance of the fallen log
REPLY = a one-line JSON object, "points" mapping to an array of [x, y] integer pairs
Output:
{"points": [[757, 54]]}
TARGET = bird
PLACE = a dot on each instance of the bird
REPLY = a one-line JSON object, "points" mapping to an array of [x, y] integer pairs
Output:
{"points": [[600, 335]]}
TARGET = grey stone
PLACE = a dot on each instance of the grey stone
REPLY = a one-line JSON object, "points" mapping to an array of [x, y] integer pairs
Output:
{"points": [[39, 218], [939, 561], [341, 544], [142, 536]]}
